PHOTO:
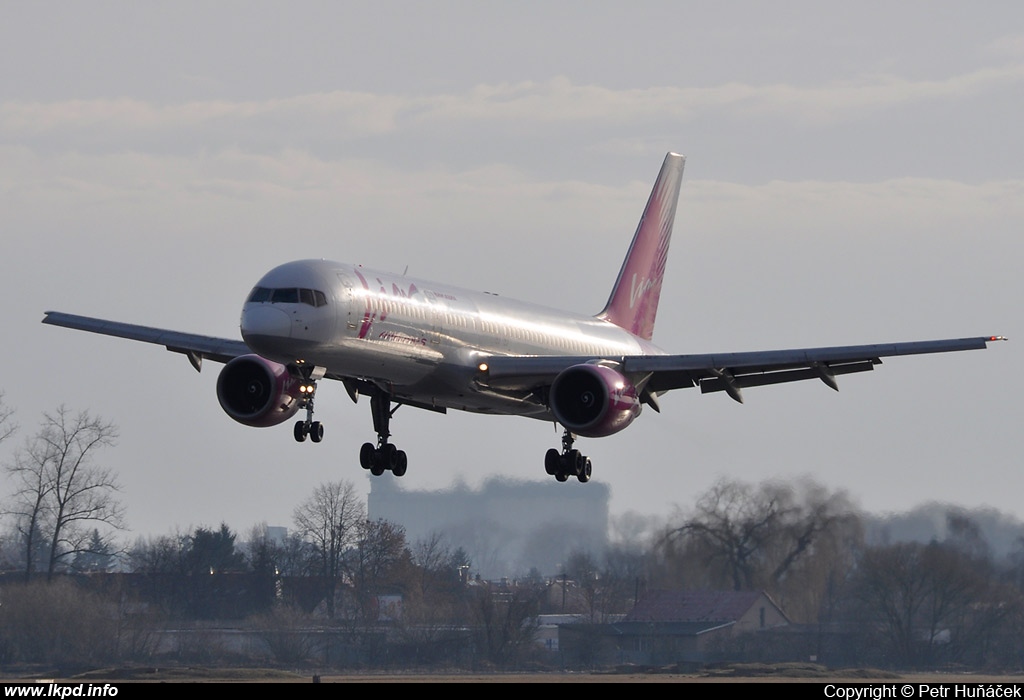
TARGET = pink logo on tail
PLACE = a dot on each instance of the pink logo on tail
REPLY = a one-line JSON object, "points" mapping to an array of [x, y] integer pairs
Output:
{"points": [[634, 307]]}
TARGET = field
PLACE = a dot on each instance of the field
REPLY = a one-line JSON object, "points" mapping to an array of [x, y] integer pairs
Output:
{"points": [[754, 673]]}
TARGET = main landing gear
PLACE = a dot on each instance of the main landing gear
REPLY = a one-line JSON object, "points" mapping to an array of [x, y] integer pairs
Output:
{"points": [[385, 456], [314, 429], [567, 463]]}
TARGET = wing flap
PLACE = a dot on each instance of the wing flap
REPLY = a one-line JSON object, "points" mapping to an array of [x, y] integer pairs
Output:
{"points": [[742, 381]]}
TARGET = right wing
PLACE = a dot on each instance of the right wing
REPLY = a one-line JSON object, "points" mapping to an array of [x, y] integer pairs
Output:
{"points": [[193, 346], [728, 372]]}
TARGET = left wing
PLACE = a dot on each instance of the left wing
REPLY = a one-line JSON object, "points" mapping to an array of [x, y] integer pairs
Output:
{"points": [[728, 372], [193, 346]]}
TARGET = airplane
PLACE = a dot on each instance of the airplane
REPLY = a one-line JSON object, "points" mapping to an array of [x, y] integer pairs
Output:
{"points": [[410, 342]]}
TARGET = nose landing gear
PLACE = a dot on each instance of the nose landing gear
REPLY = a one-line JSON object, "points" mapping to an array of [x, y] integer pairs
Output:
{"points": [[314, 429]]}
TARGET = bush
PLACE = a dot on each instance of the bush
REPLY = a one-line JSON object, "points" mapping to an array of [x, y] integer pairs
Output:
{"points": [[56, 624], [286, 632]]}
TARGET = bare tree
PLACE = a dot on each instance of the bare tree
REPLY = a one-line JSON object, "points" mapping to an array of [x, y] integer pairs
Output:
{"points": [[260, 550], [893, 587], [732, 529], [380, 559], [940, 602], [330, 521], [7, 429], [288, 556], [160, 555], [581, 567], [792, 540], [432, 597], [439, 568], [28, 505], [61, 493], [625, 575], [506, 621], [7, 425]]}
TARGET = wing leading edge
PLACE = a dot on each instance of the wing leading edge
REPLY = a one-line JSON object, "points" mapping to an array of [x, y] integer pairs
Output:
{"points": [[193, 346], [728, 372]]}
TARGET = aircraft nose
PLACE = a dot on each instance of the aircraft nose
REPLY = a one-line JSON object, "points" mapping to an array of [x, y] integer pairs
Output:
{"points": [[265, 320]]}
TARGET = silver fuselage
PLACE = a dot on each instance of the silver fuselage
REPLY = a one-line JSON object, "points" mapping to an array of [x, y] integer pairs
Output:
{"points": [[417, 339]]}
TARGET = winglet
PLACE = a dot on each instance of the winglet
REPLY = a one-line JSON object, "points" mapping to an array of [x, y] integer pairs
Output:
{"points": [[633, 304]]}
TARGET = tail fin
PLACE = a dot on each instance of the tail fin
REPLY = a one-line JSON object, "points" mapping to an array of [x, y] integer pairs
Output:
{"points": [[633, 303]]}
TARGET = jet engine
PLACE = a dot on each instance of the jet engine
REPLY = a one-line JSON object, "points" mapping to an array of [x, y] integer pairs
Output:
{"points": [[257, 392], [593, 400]]}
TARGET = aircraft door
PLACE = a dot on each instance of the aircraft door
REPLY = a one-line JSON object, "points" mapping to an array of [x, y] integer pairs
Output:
{"points": [[349, 317]]}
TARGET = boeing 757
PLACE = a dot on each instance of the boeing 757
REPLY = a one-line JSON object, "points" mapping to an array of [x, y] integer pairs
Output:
{"points": [[409, 342]]}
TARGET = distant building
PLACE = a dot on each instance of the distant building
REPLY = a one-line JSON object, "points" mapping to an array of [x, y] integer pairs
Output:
{"points": [[277, 534], [506, 527]]}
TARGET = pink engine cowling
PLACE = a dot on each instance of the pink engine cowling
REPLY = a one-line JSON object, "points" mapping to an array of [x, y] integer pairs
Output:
{"points": [[257, 392], [593, 400]]}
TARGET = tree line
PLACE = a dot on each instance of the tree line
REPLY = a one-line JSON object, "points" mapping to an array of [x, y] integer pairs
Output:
{"points": [[951, 600]]}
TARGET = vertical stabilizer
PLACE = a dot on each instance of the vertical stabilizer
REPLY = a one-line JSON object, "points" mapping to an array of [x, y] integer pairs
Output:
{"points": [[633, 304]]}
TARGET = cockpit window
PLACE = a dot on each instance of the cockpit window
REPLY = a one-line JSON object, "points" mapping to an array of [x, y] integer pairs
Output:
{"points": [[260, 294], [288, 295]]}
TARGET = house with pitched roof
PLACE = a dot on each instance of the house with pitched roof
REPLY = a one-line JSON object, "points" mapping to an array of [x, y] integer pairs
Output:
{"points": [[667, 627]]}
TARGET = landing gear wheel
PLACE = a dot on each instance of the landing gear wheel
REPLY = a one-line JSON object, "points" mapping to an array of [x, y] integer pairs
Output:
{"points": [[584, 474], [552, 461], [300, 431], [568, 462], [401, 463], [316, 431], [574, 462], [389, 456], [367, 455]]}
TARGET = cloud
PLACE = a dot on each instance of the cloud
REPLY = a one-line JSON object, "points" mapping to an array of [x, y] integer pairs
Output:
{"points": [[344, 116], [1011, 45], [259, 188]]}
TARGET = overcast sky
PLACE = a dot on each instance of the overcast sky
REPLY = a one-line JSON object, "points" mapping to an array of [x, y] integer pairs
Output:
{"points": [[853, 176]]}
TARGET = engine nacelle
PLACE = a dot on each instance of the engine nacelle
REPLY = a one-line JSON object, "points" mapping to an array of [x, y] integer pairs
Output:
{"points": [[257, 392], [593, 400]]}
